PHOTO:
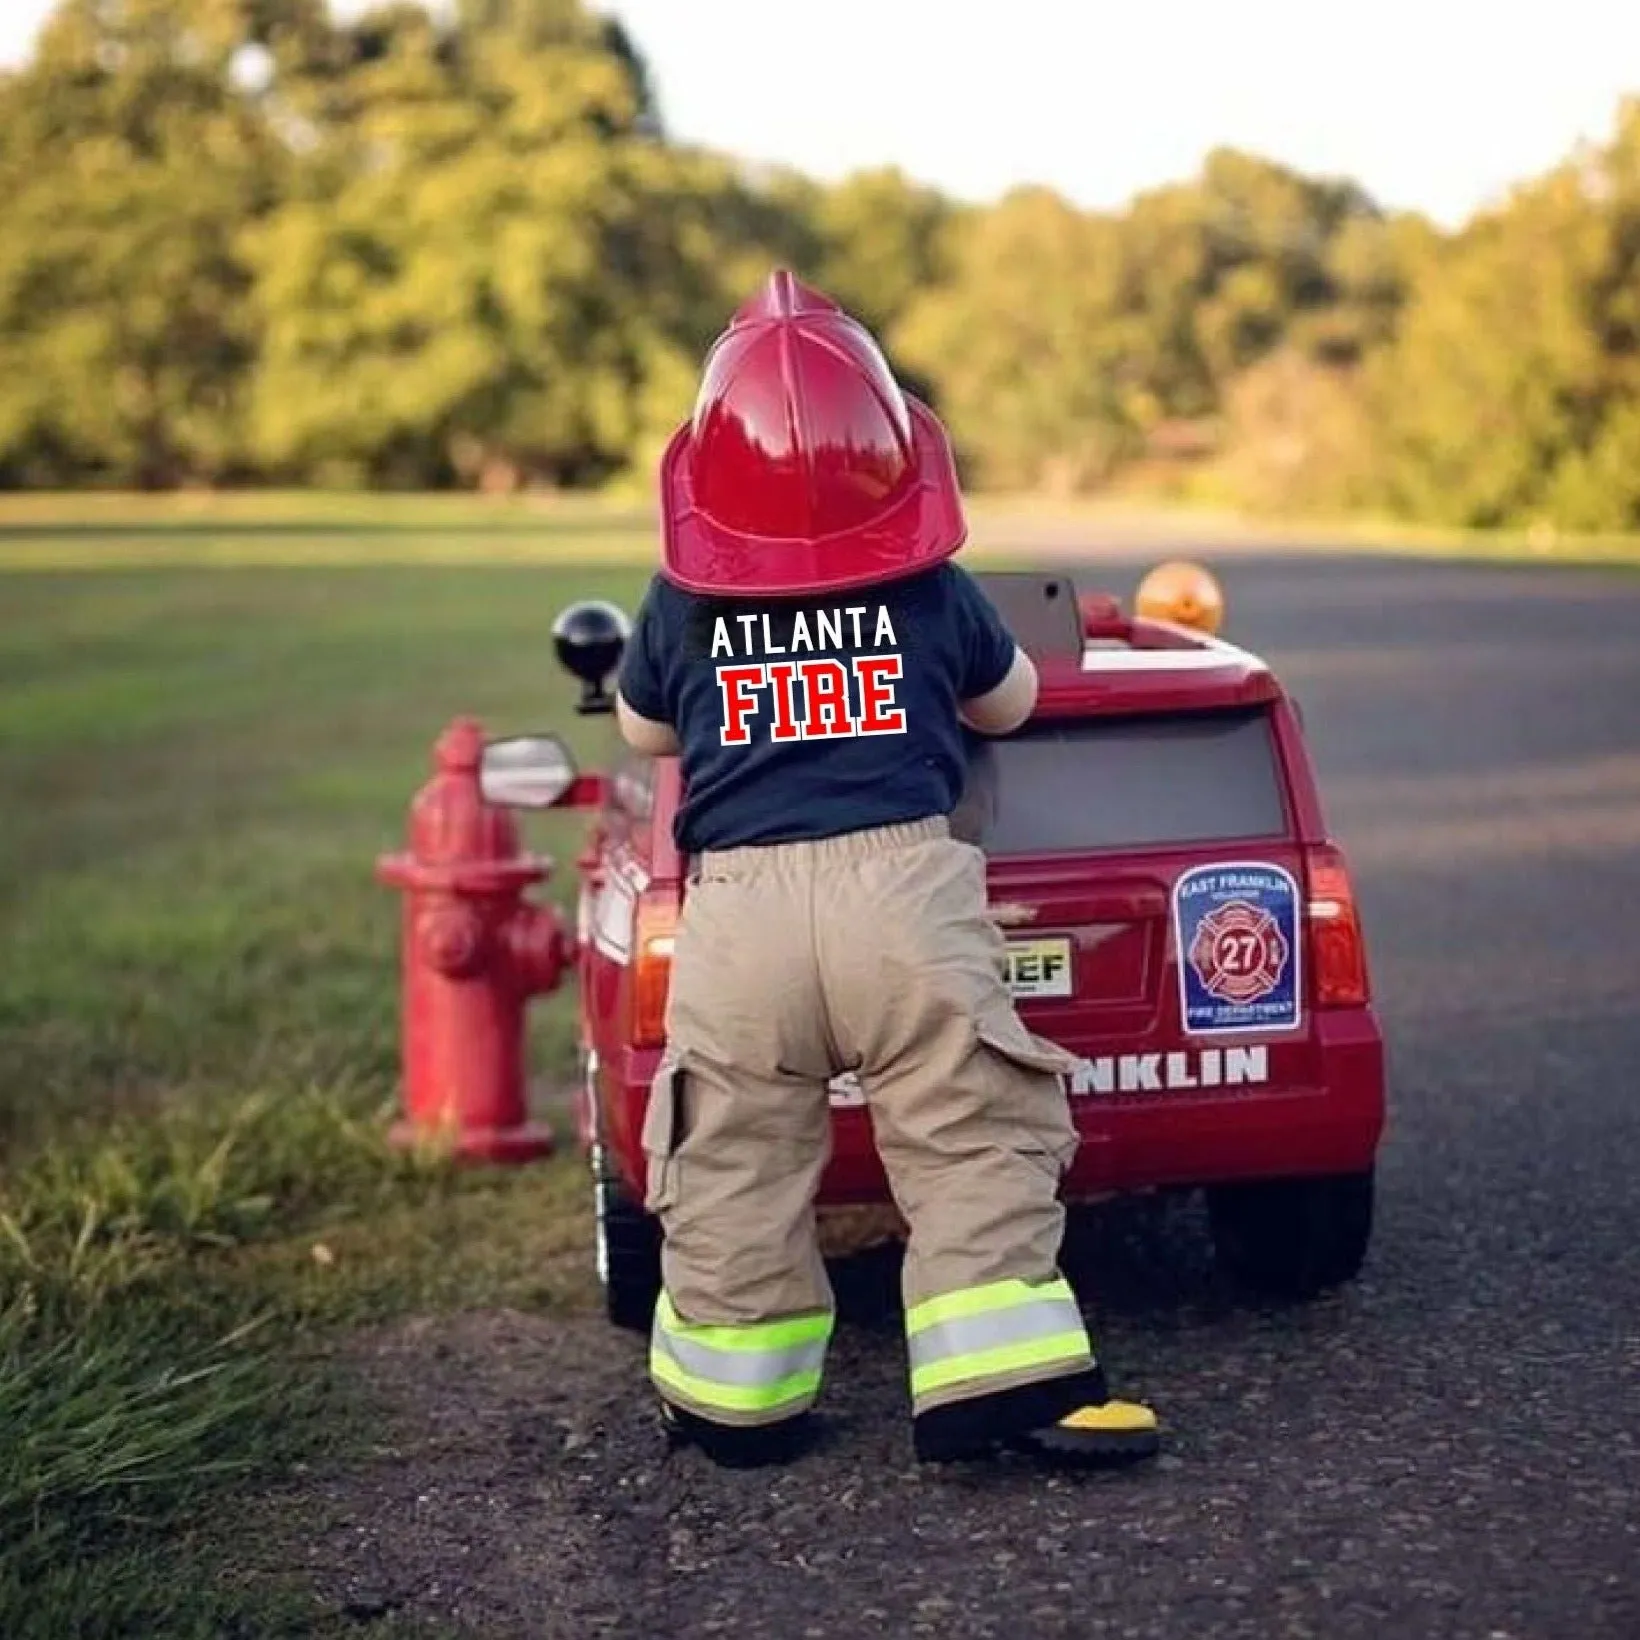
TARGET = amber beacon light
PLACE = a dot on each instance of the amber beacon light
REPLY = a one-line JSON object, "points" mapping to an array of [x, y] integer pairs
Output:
{"points": [[1183, 593]]}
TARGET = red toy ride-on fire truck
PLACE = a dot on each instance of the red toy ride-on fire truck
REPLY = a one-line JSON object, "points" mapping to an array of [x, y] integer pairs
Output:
{"points": [[1175, 911]]}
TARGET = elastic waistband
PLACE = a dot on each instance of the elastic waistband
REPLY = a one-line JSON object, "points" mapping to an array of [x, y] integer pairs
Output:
{"points": [[848, 845]]}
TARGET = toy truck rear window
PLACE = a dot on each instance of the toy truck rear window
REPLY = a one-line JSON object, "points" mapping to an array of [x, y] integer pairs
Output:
{"points": [[1130, 782]]}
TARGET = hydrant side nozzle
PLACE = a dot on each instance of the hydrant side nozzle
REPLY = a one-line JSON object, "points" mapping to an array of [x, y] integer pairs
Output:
{"points": [[452, 939], [538, 949]]}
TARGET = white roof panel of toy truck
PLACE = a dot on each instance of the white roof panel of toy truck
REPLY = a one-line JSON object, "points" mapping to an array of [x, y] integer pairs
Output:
{"points": [[1093, 657]]}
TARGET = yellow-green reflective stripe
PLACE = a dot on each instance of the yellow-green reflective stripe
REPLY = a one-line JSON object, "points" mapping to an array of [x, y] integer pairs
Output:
{"points": [[1038, 1352], [968, 1335], [759, 1367], [994, 1295], [756, 1335], [800, 1387], [741, 1369]]}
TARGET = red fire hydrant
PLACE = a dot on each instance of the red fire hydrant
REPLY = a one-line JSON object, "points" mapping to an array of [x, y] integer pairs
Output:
{"points": [[474, 953]]}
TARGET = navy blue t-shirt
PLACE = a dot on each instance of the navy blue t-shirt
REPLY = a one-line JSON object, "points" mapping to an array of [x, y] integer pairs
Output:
{"points": [[807, 718]]}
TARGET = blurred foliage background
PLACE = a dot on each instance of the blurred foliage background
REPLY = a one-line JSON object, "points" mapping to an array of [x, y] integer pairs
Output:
{"points": [[245, 243]]}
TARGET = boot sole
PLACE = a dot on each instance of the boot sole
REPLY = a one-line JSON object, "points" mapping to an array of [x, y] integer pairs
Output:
{"points": [[730, 1453], [1090, 1449]]}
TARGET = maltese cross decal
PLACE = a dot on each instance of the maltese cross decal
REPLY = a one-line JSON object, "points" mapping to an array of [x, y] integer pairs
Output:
{"points": [[1238, 952]]}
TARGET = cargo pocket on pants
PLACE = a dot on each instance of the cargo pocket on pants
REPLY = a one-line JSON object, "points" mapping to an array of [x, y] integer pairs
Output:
{"points": [[663, 1129], [1037, 1069]]}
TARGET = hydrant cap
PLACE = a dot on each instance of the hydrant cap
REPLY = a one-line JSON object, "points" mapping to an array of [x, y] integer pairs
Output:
{"points": [[450, 823], [460, 748]]}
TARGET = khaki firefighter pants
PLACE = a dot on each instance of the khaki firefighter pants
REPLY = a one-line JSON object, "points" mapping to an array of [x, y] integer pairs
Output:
{"points": [[870, 952]]}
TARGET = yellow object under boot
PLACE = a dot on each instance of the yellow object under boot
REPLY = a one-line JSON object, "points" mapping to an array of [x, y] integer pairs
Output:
{"points": [[1102, 1435]]}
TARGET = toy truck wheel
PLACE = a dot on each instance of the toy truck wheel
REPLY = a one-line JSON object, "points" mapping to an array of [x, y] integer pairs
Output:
{"points": [[629, 1250], [1293, 1238]]}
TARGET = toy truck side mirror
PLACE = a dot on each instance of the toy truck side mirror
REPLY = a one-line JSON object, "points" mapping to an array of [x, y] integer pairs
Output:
{"points": [[589, 638], [525, 772]]}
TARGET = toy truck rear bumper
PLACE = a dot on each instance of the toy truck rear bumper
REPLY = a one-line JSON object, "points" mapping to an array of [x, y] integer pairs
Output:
{"points": [[1129, 1142]]}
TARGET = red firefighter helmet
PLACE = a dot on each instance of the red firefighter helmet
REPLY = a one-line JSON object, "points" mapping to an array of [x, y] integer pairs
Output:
{"points": [[804, 468]]}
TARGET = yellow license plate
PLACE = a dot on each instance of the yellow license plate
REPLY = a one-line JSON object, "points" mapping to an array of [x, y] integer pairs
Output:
{"points": [[1040, 968]]}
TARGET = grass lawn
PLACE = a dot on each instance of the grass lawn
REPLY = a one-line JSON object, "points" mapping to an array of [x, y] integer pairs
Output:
{"points": [[198, 1028]]}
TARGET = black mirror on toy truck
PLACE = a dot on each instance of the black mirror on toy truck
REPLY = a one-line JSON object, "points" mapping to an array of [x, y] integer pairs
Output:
{"points": [[590, 638], [525, 771]]}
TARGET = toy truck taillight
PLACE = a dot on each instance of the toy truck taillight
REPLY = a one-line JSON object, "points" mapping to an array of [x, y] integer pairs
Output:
{"points": [[654, 936], [1337, 949]]}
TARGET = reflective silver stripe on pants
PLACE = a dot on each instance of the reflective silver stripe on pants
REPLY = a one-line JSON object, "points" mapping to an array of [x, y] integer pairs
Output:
{"points": [[745, 1369], [971, 1334]]}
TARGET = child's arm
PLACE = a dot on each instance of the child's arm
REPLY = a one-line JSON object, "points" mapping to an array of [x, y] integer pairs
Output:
{"points": [[996, 682], [642, 707], [644, 734], [1009, 704]]}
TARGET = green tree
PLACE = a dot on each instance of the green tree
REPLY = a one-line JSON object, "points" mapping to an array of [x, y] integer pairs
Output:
{"points": [[430, 292], [1022, 347], [883, 242], [1495, 376], [131, 152], [1597, 484], [490, 268], [1229, 266], [1296, 437], [1062, 343], [452, 244]]}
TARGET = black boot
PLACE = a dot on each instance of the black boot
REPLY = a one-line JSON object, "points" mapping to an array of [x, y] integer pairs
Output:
{"points": [[1070, 1420], [739, 1446]]}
